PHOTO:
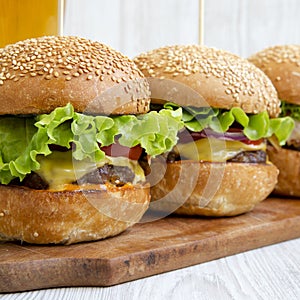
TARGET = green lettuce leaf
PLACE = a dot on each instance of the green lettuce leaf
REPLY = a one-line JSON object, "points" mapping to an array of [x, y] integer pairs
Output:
{"points": [[153, 131], [289, 109], [20, 143], [255, 127], [24, 139]]}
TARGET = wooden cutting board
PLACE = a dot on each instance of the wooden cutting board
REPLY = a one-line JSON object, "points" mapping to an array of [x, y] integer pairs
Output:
{"points": [[147, 249]]}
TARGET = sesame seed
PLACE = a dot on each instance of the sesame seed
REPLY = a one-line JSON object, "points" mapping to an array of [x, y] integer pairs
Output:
{"points": [[35, 234], [2, 214], [46, 56], [234, 73]]}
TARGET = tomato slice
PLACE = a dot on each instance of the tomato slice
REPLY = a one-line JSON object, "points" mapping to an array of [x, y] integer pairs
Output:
{"points": [[249, 142], [116, 150]]}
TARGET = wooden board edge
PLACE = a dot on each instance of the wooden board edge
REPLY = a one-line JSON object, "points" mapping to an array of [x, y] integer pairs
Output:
{"points": [[159, 261], [110, 272]]}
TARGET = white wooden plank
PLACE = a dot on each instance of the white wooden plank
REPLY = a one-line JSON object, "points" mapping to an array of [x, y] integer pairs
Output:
{"points": [[274, 22], [94, 19], [247, 26], [150, 24], [133, 26]]}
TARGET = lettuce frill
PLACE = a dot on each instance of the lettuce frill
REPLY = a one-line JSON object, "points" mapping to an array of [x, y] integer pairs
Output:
{"points": [[254, 126], [23, 139]]}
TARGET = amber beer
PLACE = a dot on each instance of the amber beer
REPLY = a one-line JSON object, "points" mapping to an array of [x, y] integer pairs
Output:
{"points": [[21, 19]]}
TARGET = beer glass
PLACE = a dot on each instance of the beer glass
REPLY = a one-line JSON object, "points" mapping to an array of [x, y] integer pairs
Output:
{"points": [[22, 19]]}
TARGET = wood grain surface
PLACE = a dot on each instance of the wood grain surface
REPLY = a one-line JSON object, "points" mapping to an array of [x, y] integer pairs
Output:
{"points": [[147, 249]]}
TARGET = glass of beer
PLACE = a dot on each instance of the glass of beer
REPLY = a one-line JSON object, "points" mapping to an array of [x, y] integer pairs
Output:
{"points": [[22, 19]]}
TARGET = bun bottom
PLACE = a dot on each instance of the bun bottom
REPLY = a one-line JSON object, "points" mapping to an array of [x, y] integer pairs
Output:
{"points": [[218, 190], [70, 216], [288, 163]]}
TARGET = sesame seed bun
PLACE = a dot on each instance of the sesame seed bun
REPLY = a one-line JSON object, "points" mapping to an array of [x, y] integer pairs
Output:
{"points": [[223, 79], [66, 217], [41, 74], [282, 65], [288, 163], [241, 188]]}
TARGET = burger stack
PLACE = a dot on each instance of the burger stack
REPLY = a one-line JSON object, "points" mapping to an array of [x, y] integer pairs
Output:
{"points": [[82, 128]]}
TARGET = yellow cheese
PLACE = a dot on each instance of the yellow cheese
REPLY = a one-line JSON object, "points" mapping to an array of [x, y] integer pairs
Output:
{"points": [[59, 168], [216, 150]]}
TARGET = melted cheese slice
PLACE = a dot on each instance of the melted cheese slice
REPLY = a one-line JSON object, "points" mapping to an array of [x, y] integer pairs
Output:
{"points": [[216, 150], [60, 169]]}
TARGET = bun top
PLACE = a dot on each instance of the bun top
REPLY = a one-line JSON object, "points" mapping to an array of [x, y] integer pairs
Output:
{"points": [[38, 75], [222, 79], [282, 65]]}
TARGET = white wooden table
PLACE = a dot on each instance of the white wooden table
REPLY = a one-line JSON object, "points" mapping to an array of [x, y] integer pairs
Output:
{"points": [[271, 272]]}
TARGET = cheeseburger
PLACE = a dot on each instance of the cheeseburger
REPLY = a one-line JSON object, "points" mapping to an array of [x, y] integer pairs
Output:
{"points": [[75, 140], [282, 65], [226, 127]]}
